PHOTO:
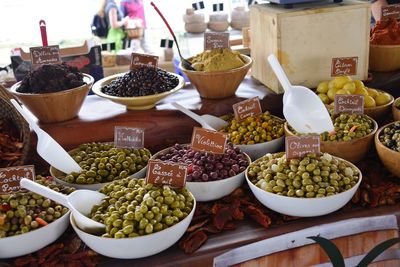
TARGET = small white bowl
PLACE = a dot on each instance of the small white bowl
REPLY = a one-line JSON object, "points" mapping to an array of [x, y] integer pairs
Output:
{"points": [[304, 207], [256, 151], [15, 246], [135, 247]]}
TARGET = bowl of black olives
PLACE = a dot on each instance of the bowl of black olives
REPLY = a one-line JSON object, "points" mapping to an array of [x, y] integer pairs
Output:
{"points": [[313, 185], [396, 109], [387, 143], [139, 89]]}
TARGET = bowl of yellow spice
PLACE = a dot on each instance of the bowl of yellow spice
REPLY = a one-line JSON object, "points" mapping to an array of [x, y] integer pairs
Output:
{"points": [[218, 72]]}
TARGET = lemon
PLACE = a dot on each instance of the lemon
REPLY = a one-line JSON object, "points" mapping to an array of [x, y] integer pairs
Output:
{"points": [[361, 91], [382, 99], [342, 92], [350, 86], [331, 84], [324, 98], [372, 92], [369, 102], [341, 80], [331, 93], [359, 84], [322, 87]]}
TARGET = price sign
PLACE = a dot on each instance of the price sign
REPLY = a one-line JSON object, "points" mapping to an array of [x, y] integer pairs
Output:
{"points": [[299, 146], [213, 40], [390, 11], [247, 108], [45, 55], [10, 177], [208, 140], [126, 137], [349, 104], [166, 173], [342, 66], [138, 60]]}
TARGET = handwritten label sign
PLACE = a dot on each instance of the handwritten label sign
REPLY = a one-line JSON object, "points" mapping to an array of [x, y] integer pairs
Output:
{"points": [[10, 177], [166, 173], [247, 108], [208, 140], [45, 55], [299, 146], [391, 11], [126, 137], [344, 66], [213, 40], [138, 60], [349, 104]]}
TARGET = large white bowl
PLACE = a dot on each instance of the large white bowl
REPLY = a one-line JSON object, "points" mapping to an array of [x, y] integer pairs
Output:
{"points": [[304, 207], [15, 246], [256, 151], [135, 247]]}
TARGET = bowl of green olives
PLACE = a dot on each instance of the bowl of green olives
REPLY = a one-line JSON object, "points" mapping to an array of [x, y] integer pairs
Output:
{"points": [[256, 135], [102, 163], [387, 144], [29, 222], [314, 185], [396, 109], [209, 176], [141, 219], [351, 139]]}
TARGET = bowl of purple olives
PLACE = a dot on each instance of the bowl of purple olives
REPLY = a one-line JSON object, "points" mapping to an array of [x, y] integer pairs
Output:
{"points": [[209, 176], [139, 89]]}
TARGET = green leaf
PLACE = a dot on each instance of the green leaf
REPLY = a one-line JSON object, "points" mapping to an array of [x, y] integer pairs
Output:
{"points": [[376, 251], [331, 250]]}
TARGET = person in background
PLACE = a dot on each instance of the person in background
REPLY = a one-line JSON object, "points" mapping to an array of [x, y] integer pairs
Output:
{"points": [[134, 9], [377, 6], [110, 11]]}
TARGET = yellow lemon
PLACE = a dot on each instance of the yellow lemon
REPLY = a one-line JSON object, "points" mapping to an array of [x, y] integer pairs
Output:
{"points": [[331, 84], [369, 102], [342, 92], [372, 92], [359, 84], [322, 87], [341, 80], [324, 98], [331, 93], [350, 86], [361, 91], [382, 99]]}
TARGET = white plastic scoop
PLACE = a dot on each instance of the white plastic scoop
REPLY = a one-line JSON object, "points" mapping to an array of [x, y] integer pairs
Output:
{"points": [[80, 202], [207, 121], [302, 108], [48, 148]]}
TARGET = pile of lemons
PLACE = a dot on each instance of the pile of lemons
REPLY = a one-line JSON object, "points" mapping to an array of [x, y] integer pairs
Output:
{"points": [[345, 85]]}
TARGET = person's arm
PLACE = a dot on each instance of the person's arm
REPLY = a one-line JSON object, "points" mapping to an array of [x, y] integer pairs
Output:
{"points": [[113, 18], [376, 8]]}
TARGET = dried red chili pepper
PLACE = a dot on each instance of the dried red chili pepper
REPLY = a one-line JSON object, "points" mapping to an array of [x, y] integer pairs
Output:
{"points": [[193, 241], [258, 215], [47, 251], [222, 217], [197, 226], [24, 261]]}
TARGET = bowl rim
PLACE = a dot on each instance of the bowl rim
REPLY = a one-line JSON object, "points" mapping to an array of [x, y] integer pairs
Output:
{"points": [[96, 88], [394, 103], [303, 199], [342, 142], [89, 82], [379, 143], [249, 62]]}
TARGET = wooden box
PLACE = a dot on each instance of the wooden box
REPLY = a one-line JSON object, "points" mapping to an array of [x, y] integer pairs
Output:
{"points": [[306, 38]]}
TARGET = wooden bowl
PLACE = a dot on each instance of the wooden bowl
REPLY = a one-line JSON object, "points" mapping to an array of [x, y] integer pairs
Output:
{"points": [[220, 84], [384, 57], [353, 150], [396, 110], [389, 157], [218, 26], [58, 106], [134, 33], [196, 27]]}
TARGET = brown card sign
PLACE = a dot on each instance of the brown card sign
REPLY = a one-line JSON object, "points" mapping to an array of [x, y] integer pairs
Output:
{"points": [[10, 177], [138, 60], [391, 11], [349, 104], [166, 173], [342, 66], [128, 137], [208, 140], [247, 108], [213, 40], [299, 146], [45, 55]]}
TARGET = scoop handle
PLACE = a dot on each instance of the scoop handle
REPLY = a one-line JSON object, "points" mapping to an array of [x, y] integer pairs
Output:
{"points": [[279, 72], [23, 113], [191, 114], [44, 191]]}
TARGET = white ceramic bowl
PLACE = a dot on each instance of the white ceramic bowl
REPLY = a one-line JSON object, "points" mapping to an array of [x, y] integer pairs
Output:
{"points": [[32, 241], [256, 151], [135, 247], [304, 207]]}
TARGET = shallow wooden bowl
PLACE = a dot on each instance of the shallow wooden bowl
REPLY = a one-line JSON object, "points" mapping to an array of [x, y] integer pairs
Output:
{"points": [[396, 110], [220, 84], [384, 57], [58, 106], [389, 157], [353, 150]]}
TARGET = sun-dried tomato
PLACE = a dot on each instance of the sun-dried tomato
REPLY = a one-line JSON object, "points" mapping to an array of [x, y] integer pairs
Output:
{"points": [[193, 241]]}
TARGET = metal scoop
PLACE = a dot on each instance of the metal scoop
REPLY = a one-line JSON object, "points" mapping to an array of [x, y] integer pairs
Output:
{"points": [[80, 202], [302, 108], [48, 148], [207, 121]]}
